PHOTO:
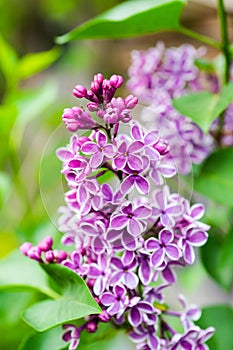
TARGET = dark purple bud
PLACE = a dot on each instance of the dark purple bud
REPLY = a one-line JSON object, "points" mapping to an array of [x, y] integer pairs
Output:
{"points": [[131, 101], [91, 96], [49, 256], [60, 255], [162, 146], [99, 78], [46, 244], [91, 327], [25, 247], [34, 253], [91, 282], [116, 81], [79, 91], [95, 87], [104, 316], [92, 106]]}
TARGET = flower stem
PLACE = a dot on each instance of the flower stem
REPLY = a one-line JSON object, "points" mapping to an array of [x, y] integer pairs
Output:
{"points": [[225, 48], [199, 37]]}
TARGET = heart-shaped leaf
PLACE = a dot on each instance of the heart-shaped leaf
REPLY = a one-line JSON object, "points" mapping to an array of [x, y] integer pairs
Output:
{"points": [[220, 317], [204, 107], [135, 17], [215, 179], [75, 300]]}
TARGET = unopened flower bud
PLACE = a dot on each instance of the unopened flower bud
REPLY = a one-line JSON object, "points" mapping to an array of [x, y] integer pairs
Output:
{"points": [[116, 81], [79, 91], [49, 256], [60, 255], [92, 106], [104, 316], [34, 253], [25, 247], [91, 327], [46, 244], [131, 101]]}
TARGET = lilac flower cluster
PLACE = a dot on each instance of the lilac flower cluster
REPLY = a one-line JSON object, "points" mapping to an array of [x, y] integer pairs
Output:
{"points": [[158, 75], [131, 234]]}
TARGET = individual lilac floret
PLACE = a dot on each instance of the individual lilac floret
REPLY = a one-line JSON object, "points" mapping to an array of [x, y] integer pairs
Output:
{"points": [[194, 237], [116, 301], [141, 311], [71, 335], [128, 155], [131, 218], [162, 247], [98, 150], [123, 271]]}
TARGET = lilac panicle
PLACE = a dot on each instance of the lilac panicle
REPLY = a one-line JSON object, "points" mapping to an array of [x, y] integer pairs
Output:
{"points": [[126, 238]]}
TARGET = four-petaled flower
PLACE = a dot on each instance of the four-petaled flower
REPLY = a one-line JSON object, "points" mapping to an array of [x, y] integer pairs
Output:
{"points": [[117, 300], [99, 150], [162, 247], [131, 218]]}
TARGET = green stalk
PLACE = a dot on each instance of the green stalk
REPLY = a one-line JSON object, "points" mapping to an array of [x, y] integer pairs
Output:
{"points": [[225, 48], [224, 39], [199, 37]]}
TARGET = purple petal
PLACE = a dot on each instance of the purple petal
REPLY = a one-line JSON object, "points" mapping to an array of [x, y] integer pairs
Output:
{"points": [[107, 299], [116, 278], [142, 212], [157, 257], [153, 342], [136, 133], [119, 162], [101, 138], [134, 317], [197, 211], [89, 147], [109, 151], [165, 236], [123, 147], [119, 291], [135, 146], [119, 221], [117, 263], [98, 245], [174, 209], [167, 170], [152, 137], [114, 309], [197, 238], [172, 251], [142, 184], [128, 241], [99, 286], [94, 271], [134, 162], [189, 255], [145, 272], [63, 154], [152, 244], [145, 306], [127, 184], [168, 275], [129, 259], [160, 199], [130, 280], [96, 159], [103, 262], [166, 220], [134, 227]]}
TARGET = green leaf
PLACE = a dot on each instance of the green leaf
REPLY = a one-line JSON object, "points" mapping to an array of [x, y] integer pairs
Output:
{"points": [[51, 339], [18, 271], [225, 266], [75, 300], [217, 257], [220, 317], [33, 63], [8, 61], [204, 107], [215, 180], [135, 17]]}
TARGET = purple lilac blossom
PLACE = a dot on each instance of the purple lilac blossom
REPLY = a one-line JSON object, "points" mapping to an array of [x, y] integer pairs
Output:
{"points": [[158, 75], [127, 239]]}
